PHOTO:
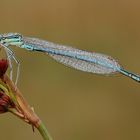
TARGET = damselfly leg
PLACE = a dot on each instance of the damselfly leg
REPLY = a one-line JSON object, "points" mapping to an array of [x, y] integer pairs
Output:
{"points": [[10, 56]]}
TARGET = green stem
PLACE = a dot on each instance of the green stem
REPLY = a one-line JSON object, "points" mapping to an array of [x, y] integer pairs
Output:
{"points": [[43, 131]]}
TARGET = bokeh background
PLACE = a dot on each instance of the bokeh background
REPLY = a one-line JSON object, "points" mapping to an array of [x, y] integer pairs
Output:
{"points": [[76, 105]]}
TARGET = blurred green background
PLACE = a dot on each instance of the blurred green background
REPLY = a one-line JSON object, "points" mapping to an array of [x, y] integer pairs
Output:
{"points": [[76, 105]]}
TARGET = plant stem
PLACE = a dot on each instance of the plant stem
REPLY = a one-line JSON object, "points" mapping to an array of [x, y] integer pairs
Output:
{"points": [[43, 131], [26, 112]]}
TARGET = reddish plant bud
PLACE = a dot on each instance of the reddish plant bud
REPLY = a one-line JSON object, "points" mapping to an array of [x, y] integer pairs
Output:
{"points": [[5, 103], [3, 66]]}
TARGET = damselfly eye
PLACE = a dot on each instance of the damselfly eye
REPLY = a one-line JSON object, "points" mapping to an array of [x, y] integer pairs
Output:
{"points": [[3, 38]]}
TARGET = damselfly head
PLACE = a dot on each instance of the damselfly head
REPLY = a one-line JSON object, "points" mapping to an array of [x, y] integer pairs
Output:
{"points": [[11, 39]]}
